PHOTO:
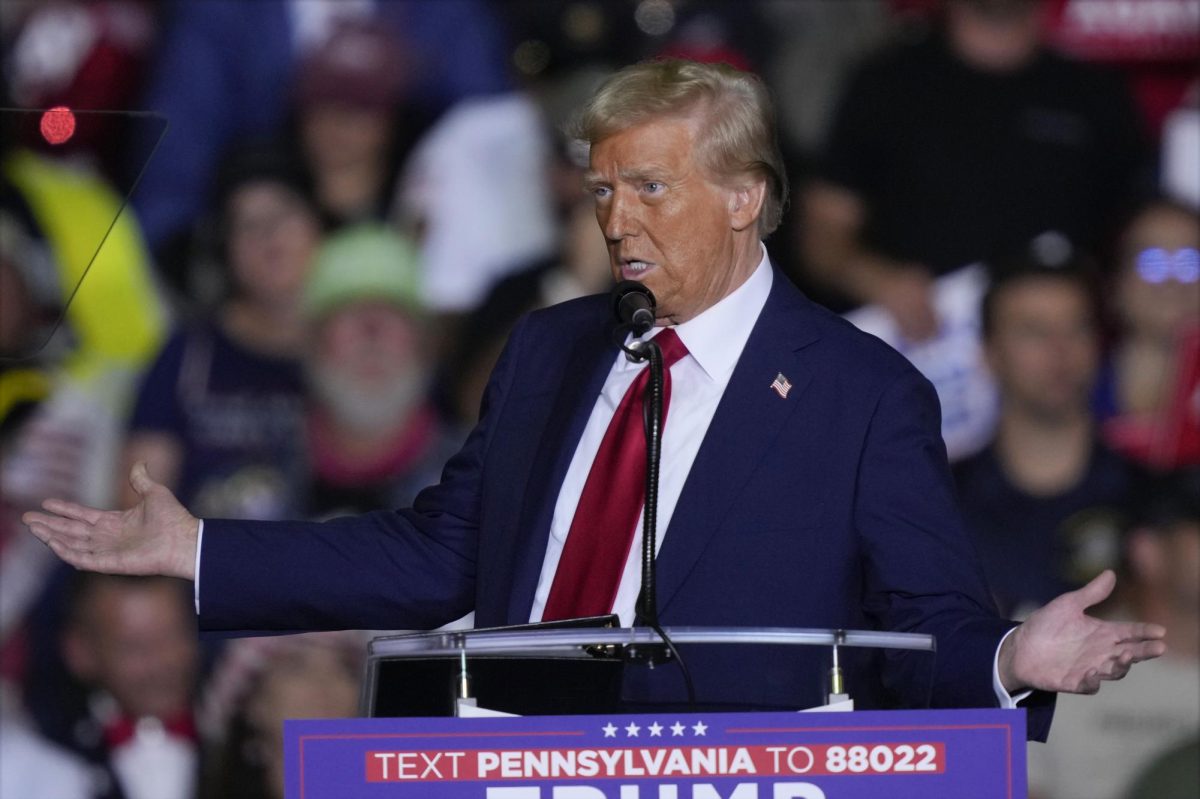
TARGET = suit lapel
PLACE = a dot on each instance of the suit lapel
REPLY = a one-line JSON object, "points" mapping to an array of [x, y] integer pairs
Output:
{"points": [[747, 422], [583, 377]]}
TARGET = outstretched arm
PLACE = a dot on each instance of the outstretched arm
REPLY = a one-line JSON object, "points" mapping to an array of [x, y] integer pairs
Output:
{"points": [[155, 536], [1061, 648]]}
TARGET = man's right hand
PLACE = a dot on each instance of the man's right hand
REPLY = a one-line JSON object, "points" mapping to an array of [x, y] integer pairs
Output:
{"points": [[155, 536]]}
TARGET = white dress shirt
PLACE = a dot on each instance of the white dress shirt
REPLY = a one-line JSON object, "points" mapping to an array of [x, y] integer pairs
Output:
{"points": [[714, 340]]}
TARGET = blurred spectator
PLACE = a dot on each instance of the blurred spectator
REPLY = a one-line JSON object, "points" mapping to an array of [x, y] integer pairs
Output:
{"points": [[225, 66], [374, 437], [30, 302], [70, 351], [474, 195], [1044, 499], [32, 767], [130, 642], [1179, 170], [263, 681], [578, 266], [962, 147], [82, 341], [953, 360], [85, 55], [824, 40], [352, 125], [1154, 43], [552, 39], [30, 299], [219, 414], [1100, 743], [1150, 393]]}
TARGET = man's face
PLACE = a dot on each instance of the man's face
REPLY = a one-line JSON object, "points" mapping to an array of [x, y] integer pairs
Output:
{"points": [[367, 369], [336, 136], [1043, 348], [370, 339], [139, 645], [272, 235], [666, 221], [995, 35], [1158, 293]]}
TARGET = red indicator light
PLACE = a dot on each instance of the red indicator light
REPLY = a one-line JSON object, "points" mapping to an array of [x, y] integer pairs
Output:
{"points": [[58, 125]]}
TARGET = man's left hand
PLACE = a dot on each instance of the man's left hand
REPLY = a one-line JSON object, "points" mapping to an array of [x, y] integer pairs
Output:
{"points": [[1061, 648]]}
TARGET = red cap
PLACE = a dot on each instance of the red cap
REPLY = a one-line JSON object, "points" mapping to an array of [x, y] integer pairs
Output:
{"points": [[358, 65]]}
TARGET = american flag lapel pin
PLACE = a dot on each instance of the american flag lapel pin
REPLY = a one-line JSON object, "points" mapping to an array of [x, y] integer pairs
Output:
{"points": [[781, 385]]}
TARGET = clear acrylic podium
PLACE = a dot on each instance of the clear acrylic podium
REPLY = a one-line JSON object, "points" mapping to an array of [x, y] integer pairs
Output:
{"points": [[530, 670]]}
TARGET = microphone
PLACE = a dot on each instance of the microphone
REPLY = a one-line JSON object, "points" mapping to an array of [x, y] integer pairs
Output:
{"points": [[634, 306]]}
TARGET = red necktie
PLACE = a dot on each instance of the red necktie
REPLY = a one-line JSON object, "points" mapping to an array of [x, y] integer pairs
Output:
{"points": [[601, 534]]}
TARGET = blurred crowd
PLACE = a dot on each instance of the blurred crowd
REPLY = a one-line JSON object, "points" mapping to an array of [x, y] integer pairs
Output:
{"points": [[281, 275]]}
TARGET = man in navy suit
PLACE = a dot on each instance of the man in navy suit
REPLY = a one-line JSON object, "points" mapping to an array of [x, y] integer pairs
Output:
{"points": [[804, 479]]}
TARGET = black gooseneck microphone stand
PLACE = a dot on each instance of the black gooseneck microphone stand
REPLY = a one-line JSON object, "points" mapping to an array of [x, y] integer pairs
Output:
{"points": [[634, 306]]}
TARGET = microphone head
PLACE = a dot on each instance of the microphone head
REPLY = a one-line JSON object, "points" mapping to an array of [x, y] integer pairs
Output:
{"points": [[633, 305]]}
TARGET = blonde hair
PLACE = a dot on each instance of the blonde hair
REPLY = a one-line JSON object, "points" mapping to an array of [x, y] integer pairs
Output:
{"points": [[737, 139]]}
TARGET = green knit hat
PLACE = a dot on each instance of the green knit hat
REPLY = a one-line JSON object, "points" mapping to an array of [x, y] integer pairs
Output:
{"points": [[361, 262]]}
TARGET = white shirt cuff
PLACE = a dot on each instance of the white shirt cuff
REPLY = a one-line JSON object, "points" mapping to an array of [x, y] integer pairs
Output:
{"points": [[196, 578], [1007, 701]]}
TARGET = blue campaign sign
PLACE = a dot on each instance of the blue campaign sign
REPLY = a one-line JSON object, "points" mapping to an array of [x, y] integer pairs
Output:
{"points": [[862, 755]]}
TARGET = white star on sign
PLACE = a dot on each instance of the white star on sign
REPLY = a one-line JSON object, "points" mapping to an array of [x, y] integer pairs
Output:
{"points": [[655, 730], [677, 729], [631, 731], [699, 727], [610, 730]]}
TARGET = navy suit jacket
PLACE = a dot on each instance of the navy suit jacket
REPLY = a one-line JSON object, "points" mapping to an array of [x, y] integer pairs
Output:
{"points": [[832, 507]]}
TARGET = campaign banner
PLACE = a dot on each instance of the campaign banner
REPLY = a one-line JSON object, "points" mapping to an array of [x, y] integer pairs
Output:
{"points": [[859, 755], [1131, 31]]}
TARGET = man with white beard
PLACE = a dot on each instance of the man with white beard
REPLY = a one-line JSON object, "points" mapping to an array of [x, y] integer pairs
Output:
{"points": [[374, 438]]}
